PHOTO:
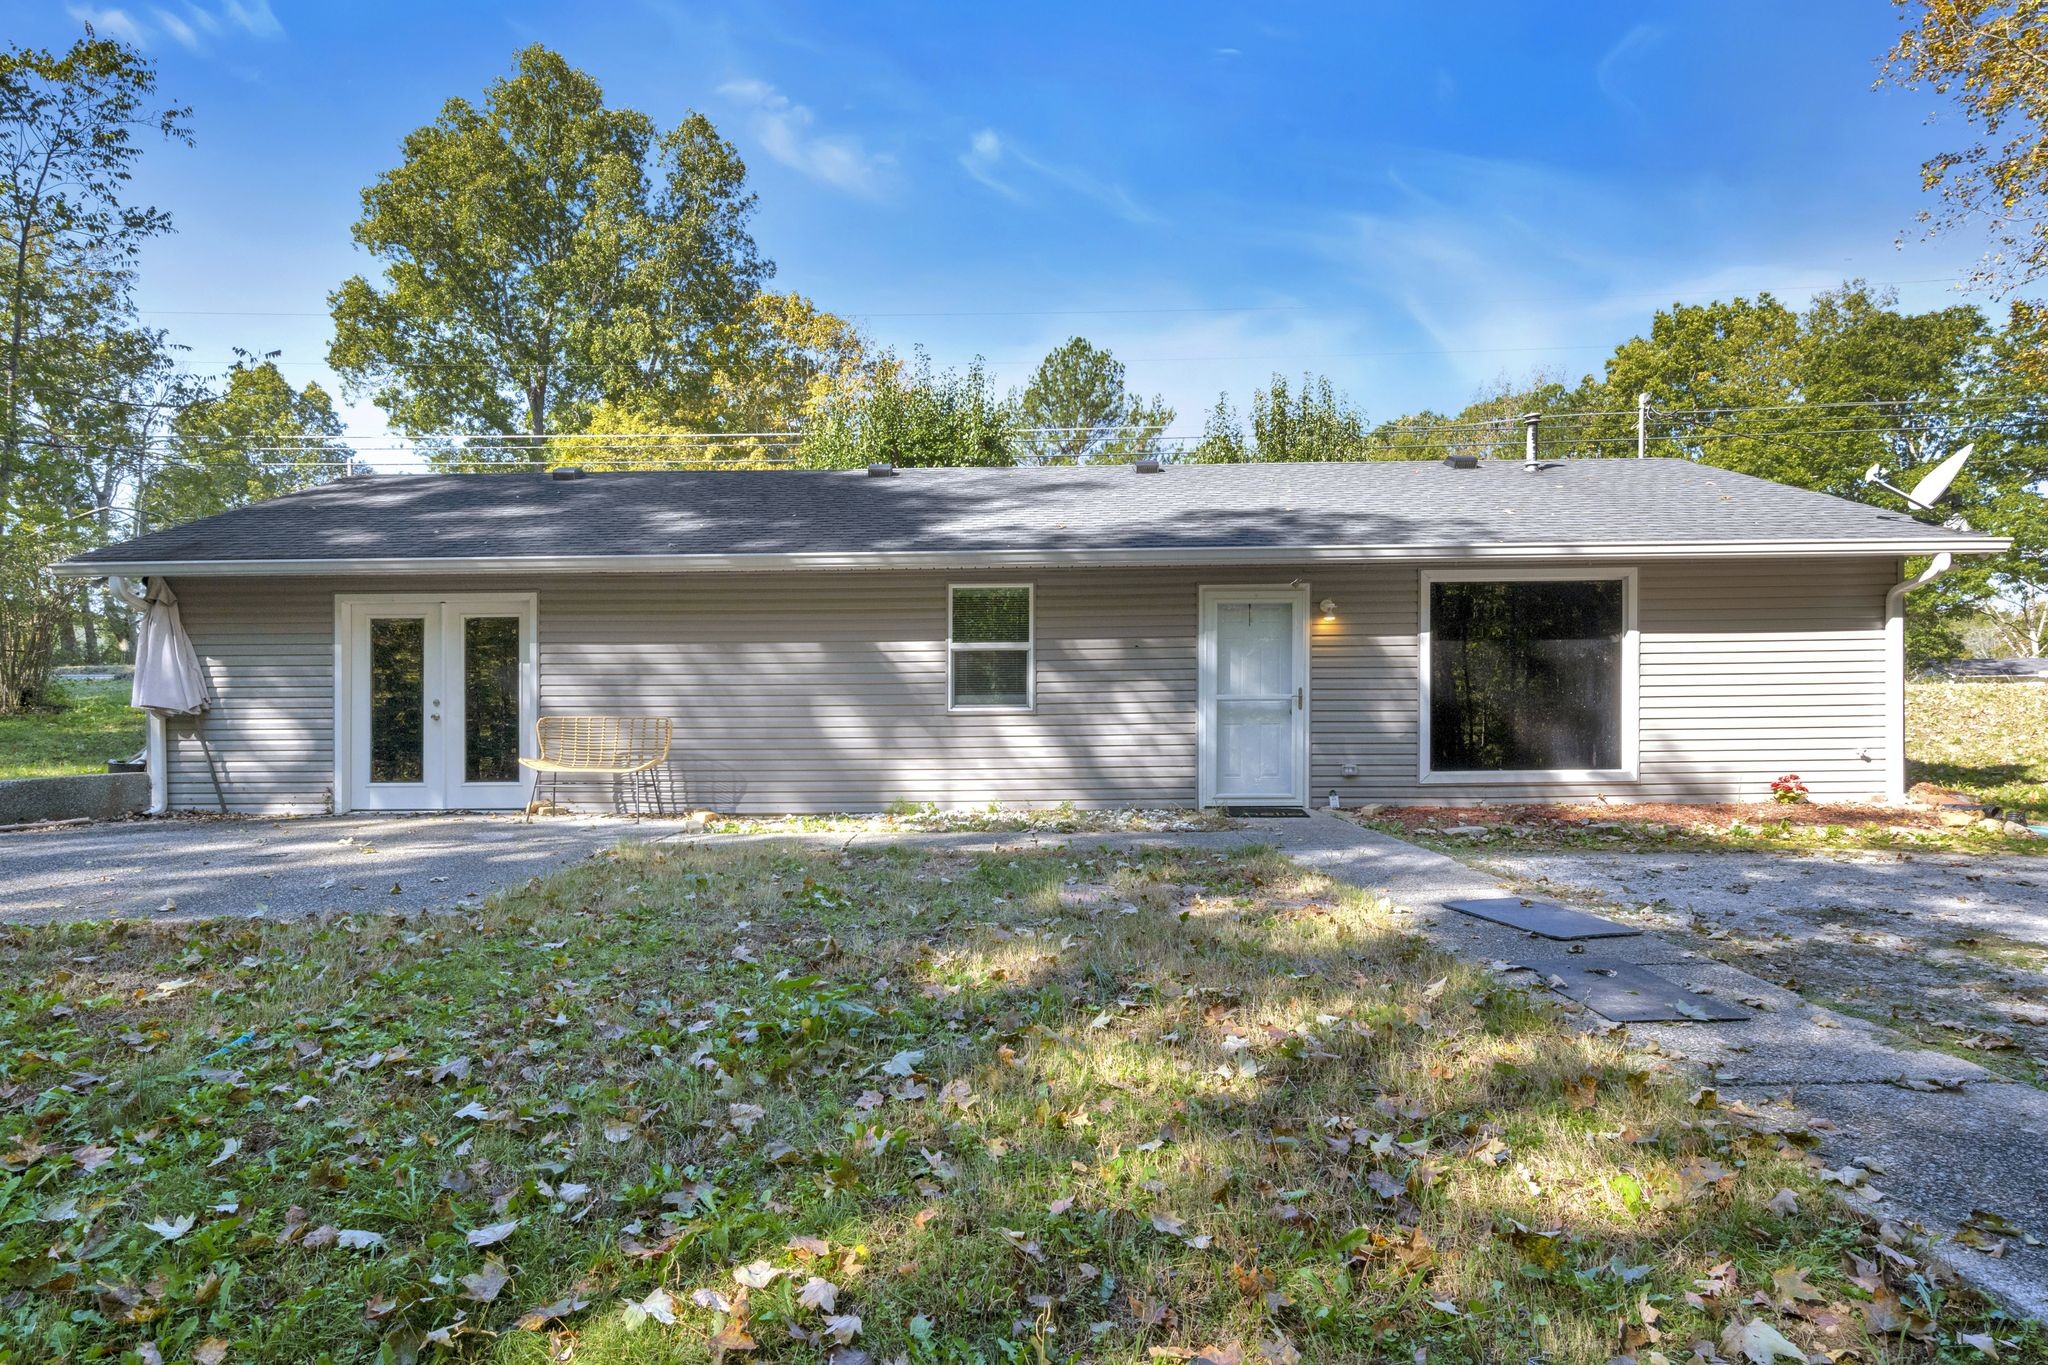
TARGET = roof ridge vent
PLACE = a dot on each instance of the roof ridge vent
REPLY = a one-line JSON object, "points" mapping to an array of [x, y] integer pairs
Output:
{"points": [[881, 469], [1462, 461], [567, 473], [1151, 464]]}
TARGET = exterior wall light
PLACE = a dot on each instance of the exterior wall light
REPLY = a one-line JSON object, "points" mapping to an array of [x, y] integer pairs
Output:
{"points": [[1329, 605]]}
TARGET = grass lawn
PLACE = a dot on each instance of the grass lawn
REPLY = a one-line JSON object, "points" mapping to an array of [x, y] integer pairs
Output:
{"points": [[94, 724], [669, 1106], [1987, 740]]}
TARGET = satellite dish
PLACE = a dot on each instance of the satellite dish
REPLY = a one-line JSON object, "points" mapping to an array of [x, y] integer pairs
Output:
{"points": [[1928, 491], [1932, 485]]}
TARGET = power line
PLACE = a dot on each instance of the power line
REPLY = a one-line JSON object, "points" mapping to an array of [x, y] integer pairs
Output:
{"points": [[1125, 311]]}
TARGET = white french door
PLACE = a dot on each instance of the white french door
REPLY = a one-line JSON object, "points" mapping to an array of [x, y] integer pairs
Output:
{"points": [[1254, 696], [435, 701]]}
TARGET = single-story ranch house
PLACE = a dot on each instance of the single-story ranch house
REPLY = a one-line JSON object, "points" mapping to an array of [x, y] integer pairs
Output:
{"points": [[1268, 634]]}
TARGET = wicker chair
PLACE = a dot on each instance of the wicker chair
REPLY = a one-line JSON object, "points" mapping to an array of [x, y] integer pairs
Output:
{"points": [[621, 747]]}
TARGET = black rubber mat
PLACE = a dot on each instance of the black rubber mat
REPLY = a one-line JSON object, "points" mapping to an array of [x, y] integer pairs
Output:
{"points": [[1629, 994], [1545, 918], [1266, 812]]}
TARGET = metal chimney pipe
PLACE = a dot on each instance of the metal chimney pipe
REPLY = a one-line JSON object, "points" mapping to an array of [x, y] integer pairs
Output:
{"points": [[1530, 420]]}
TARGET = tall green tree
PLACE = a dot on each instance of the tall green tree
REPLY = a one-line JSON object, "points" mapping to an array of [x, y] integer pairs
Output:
{"points": [[1314, 422], [771, 370], [1077, 406], [1990, 58], [70, 129], [544, 252], [913, 415], [257, 437]]}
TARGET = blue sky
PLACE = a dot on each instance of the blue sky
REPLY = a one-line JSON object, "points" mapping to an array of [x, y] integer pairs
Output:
{"points": [[1414, 199]]}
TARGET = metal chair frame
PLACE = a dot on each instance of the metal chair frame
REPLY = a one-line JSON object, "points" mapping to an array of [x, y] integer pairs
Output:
{"points": [[628, 748]]}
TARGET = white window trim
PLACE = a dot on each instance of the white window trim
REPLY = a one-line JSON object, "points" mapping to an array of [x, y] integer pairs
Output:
{"points": [[1029, 649], [1631, 660]]}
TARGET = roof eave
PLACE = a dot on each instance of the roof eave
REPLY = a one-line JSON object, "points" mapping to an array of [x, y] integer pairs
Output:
{"points": [[936, 559]]}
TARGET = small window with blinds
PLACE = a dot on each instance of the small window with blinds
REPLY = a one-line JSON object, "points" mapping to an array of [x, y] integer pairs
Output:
{"points": [[991, 654]]}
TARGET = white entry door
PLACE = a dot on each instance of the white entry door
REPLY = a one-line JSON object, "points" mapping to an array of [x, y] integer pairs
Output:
{"points": [[1254, 696], [435, 701]]}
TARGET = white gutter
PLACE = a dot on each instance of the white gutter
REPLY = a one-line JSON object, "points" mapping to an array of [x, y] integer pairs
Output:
{"points": [[1895, 673], [946, 559], [154, 759]]}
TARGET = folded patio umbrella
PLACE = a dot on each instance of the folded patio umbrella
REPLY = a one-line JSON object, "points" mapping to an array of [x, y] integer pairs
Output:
{"points": [[167, 677]]}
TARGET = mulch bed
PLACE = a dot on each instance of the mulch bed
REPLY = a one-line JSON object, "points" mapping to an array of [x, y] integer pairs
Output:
{"points": [[1565, 818]]}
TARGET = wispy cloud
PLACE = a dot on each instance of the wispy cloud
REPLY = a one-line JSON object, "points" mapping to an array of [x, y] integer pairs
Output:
{"points": [[788, 132], [253, 17], [1507, 265], [110, 22], [192, 26], [989, 154], [1608, 71], [983, 155], [181, 32]]}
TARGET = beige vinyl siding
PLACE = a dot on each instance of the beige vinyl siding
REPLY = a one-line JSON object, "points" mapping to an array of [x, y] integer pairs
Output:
{"points": [[828, 691], [1749, 669], [267, 649], [789, 692]]}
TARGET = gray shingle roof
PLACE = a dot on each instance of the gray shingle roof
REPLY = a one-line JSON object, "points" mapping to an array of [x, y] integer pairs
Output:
{"points": [[1064, 511]]}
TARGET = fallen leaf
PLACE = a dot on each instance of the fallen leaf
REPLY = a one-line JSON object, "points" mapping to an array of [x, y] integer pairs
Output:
{"points": [[533, 1319], [492, 1235], [1788, 1284], [711, 1299], [487, 1283], [1757, 1342], [902, 1064], [92, 1158], [227, 1151], [211, 1351], [659, 1305], [173, 1228], [843, 1328], [1785, 1203], [820, 1294], [756, 1274]]}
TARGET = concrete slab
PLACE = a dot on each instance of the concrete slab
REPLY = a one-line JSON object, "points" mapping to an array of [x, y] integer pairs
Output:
{"points": [[196, 868], [1628, 994], [1546, 919], [1937, 1158], [1978, 1146]]}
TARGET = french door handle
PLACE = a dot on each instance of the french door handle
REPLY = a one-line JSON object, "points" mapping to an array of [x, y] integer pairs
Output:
{"points": [[1301, 698]]}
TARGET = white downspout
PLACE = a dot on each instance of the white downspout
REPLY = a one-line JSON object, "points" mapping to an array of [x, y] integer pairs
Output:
{"points": [[1895, 674], [155, 750]]}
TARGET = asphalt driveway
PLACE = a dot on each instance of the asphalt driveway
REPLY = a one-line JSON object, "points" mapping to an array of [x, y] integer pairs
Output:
{"points": [[196, 868]]}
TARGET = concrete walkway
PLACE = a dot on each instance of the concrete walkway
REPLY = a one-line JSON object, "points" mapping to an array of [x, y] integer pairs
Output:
{"points": [[1941, 1137], [205, 868]]}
